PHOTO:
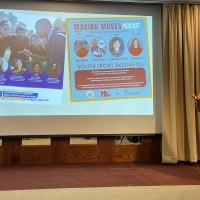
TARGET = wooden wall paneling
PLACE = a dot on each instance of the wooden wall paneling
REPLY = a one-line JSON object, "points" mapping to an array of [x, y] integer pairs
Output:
{"points": [[16, 143], [112, 149], [147, 143], [36, 155], [156, 149], [152, 150], [1, 156], [83, 154], [106, 147], [7, 151], [11, 151], [129, 153], [60, 149]]}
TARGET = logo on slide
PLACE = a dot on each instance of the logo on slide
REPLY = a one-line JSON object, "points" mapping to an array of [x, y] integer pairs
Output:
{"points": [[0, 93], [89, 94], [105, 94], [125, 92], [131, 93]]}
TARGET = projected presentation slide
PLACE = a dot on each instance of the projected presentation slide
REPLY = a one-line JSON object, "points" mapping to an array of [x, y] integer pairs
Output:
{"points": [[31, 58], [75, 64], [109, 57]]}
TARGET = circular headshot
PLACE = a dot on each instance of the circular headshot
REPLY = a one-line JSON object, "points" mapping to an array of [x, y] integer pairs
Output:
{"points": [[53, 69], [98, 47], [81, 47], [3, 65], [36, 68], [18, 66], [116, 46], [135, 46]]}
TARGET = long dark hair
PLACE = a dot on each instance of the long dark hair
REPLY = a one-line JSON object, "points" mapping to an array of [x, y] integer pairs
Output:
{"points": [[3, 23], [113, 40], [136, 40], [132, 47]]}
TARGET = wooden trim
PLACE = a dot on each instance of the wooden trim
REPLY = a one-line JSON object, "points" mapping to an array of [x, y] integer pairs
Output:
{"points": [[1, 156], [60, 151]]}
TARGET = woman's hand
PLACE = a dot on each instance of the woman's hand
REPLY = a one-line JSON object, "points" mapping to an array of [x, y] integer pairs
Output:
{"points": [[195, 97]]}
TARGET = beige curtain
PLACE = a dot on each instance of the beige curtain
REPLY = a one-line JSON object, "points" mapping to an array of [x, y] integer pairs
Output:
{"points": [[181, 78]]}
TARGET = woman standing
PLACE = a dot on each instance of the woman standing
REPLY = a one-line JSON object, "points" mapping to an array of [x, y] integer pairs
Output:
{"points": [[4, 36]]}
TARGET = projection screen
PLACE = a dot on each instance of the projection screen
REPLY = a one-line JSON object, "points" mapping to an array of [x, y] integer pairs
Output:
{"points": [[80, 68]]}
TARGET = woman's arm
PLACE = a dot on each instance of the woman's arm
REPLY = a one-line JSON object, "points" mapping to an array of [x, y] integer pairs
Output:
{"points": [[34, 56]]}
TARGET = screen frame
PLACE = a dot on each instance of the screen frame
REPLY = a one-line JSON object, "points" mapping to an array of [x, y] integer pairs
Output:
{"points": [[99, 8]]}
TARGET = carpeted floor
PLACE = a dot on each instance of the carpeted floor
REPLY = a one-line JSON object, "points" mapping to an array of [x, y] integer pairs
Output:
{"points": [[25, 177]]}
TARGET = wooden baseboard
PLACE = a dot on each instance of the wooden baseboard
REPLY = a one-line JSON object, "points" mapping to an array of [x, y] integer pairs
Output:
{"points": [[60, 151]]}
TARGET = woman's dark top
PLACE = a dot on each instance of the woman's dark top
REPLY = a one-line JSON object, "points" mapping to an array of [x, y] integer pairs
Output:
{"points": [[4, 43], [16, 46]]}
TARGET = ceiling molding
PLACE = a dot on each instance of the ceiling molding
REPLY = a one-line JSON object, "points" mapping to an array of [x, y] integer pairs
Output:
{"points": [[118, 1]]}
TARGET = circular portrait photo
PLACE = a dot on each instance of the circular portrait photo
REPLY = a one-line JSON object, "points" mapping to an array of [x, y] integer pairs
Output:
{"points": [[135, 46], [3, 65], [18, 66], [81, 47], [116, 46], [36, 68], [98, 47], [53, 69]]}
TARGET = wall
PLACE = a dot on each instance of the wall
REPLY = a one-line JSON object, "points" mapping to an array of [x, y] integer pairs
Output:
{"points": [[60, 151]]}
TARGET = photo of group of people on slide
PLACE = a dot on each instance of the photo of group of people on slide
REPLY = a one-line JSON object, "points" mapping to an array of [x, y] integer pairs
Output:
{"points": [[98, 47], [40, 50]]}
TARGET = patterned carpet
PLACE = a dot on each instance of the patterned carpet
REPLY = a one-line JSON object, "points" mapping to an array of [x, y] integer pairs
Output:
{"points": [[26, 177]]}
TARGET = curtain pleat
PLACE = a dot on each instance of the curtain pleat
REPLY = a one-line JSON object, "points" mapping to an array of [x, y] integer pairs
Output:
{"points": [[181, 74]]}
